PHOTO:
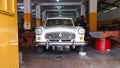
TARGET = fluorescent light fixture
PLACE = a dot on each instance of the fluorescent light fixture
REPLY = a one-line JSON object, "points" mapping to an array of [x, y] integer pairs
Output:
{"points": [[113, 8], [57, 0], [58, 7], [106, 11], [21, 7]]}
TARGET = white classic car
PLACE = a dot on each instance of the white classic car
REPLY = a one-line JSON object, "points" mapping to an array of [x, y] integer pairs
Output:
{"points": [[60, 34]]}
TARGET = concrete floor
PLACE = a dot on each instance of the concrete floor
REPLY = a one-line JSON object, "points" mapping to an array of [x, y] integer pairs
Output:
{"points": [[93, 59]]}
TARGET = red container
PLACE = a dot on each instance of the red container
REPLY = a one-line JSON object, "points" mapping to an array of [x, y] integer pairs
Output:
{"points": [[101, 45]]}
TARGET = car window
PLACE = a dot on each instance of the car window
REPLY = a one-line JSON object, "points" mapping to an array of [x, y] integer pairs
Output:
{"points": [[59, 22]]}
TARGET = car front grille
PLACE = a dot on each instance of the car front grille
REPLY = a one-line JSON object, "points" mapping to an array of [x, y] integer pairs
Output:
{"points": [[57, 36]]}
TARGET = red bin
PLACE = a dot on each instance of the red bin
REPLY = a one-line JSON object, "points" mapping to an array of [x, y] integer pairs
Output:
{"points": [[101, 45]]}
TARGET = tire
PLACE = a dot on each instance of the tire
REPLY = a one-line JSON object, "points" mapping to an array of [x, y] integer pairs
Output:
{"points": [[39, 49]]}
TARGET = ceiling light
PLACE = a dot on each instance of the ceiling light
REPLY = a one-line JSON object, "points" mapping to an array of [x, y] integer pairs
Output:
{"points": [[21, 7], [113, 8], [59, 8], [106, 11], [57, 0]]}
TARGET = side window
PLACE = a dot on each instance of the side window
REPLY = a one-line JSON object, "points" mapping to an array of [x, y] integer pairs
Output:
{"points": [[7, 7]]}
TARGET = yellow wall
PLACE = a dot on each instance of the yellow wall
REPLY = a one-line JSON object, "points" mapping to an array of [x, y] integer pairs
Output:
{"points": [[8, 36]]}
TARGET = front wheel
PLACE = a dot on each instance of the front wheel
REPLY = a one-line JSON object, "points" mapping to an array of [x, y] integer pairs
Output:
{"points": [[39, 49]]}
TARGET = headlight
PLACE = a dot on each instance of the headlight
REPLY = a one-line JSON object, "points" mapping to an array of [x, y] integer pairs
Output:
{"points": [[81, 31], [38, 31]]}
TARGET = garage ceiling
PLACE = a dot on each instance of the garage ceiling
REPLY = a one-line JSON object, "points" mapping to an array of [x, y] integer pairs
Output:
{"points": [[42, 1], [45, 6], [53, 6], [103, 5], [108, 5]]}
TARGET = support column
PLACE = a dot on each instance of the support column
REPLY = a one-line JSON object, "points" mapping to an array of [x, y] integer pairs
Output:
{"points": [[43, 18], [93, 15], [38, 16], [77, 13], [83, 10], [27, 15]]}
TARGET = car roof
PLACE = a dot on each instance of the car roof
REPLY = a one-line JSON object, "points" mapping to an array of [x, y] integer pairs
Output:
{"points": [[59, 18]]}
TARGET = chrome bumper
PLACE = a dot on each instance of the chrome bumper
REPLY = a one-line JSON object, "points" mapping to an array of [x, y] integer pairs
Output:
{"points": [[73, 44]]}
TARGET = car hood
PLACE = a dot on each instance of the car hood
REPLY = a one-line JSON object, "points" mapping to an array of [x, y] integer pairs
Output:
{"points": [[60, 29]]}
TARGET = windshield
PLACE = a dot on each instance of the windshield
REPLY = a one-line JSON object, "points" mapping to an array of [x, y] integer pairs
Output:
{"points": [[59, 22]]}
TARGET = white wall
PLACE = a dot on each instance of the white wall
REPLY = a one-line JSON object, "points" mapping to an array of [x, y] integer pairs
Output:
{"points": [[109, 15]]}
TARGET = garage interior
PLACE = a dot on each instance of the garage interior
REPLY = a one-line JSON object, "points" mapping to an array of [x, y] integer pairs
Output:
{"points": [[17, 48]]}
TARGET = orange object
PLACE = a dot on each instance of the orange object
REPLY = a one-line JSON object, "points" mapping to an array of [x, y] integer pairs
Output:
{"points": [[26, 38]]}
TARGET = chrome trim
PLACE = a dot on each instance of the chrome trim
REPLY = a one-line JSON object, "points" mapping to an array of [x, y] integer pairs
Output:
{"points": [[73, 44], [47, 45], [61, 43], [63, 36]]}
